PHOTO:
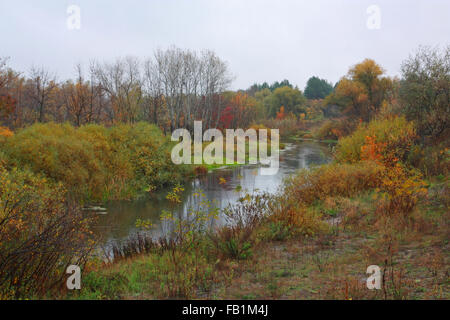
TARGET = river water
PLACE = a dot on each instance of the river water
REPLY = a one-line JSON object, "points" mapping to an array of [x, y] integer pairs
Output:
{"points": [[120, 220]]}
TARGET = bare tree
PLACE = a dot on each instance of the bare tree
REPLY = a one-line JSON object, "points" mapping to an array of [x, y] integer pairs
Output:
{"points": [[190, 84], [215, 80], [76, 97], [97, 99], [41, 83], [122, 83], [172, 89]]}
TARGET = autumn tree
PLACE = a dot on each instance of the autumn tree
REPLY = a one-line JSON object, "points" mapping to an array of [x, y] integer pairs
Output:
{"points": [[239, 111], [281, 115], [261, 110], [7, 102], [121, 81], [291, 99], [362, 92], [7, 106], [40, 86], [77, 98]]}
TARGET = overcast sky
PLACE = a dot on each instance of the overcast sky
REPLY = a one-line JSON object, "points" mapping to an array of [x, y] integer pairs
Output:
{"points": [[261, 40]]}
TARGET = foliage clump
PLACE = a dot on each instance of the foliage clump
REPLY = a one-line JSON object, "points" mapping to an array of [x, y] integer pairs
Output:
{"points": [[392, 138], [94, 162]]}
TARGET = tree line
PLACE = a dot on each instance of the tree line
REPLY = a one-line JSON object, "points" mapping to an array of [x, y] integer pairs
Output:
{"points": [[171, 89], [175, 87]]}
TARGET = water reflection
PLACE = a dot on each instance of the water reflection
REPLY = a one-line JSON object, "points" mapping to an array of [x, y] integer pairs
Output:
{"points": [[120, 220]]}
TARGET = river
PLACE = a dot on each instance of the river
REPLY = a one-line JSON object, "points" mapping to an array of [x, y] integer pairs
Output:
{"points": [[120, 220]]}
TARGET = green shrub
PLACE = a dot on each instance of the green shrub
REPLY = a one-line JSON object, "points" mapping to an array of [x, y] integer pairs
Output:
{"points": [[425, 89], [59, 151], [233, 243], [143, 149], [237, 238], [431, 160], [94, 162], [275, 231]]}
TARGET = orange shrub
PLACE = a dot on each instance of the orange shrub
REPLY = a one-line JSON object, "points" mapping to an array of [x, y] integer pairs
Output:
{"points": [[392, 138], [372, 150], [5, 132], [400, 190]]}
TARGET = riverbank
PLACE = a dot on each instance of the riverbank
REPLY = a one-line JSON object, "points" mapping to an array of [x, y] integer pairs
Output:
{"points": [[315, 239], [330, 264]]}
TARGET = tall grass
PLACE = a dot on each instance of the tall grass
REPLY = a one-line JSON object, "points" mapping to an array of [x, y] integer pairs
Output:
{"points": [[333, 180]]}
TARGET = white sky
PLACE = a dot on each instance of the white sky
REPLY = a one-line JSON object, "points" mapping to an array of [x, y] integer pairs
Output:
{"points": [[261, 40]]}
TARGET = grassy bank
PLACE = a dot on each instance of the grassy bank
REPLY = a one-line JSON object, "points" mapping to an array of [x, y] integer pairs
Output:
{"points": [[319, 249], [316, 238]]}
